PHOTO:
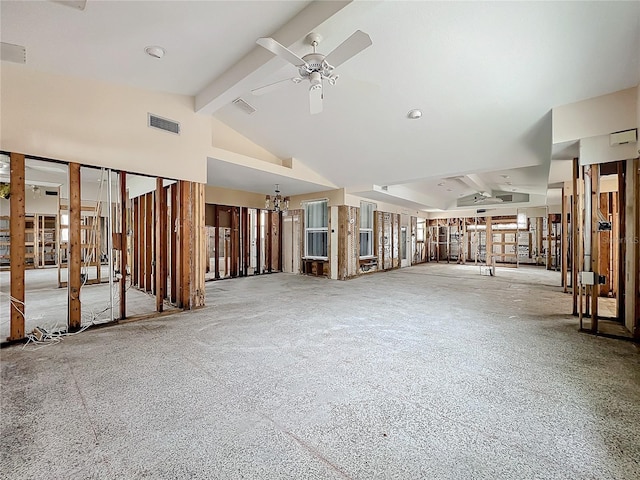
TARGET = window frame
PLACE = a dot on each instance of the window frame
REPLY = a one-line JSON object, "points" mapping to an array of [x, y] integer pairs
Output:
{"points": [[307, 230], [367, 231]]}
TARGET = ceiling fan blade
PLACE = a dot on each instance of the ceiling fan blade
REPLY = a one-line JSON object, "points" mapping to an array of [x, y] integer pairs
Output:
{"points": [[315, 99], [349, 48], [281, 51], [275, 86]]}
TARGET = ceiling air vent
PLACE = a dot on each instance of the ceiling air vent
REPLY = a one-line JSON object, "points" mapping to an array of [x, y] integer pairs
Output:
{"points": [[244, 106], [505, 198], [164, 124]]}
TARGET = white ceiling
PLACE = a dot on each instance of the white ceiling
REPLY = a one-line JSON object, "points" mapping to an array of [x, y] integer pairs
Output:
{"points": [[485, 74]]}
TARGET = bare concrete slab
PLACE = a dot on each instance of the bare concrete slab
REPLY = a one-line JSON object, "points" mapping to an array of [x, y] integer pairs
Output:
{"points": [[431, 372]]}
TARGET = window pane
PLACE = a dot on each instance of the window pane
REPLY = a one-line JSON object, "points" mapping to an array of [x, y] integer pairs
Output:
{"points": [[366, 243], [366, 214], [317, 244], [316, 214]]}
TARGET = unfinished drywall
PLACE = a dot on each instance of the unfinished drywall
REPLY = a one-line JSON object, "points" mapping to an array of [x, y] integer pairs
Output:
{"points": [[95, 123]]}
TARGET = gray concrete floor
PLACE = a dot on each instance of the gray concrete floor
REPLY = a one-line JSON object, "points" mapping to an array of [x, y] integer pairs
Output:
{"points": [[46, 304], [430, 372]]}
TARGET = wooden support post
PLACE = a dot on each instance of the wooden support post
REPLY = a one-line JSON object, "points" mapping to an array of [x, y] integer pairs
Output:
{"points": [[185, 245], [549, 238], [620, 240], [259, 241], [268, 240], [246, 233], [142, 256], [160, 222], [75, 248], [148, 243], [279, 248], [124, 244], [173, 240], [604, 246], [17, 247], [235, 240], [564, 242], [489, 246], [539, 242], [595, 244], [198, 247], [216, 235], [574, 237], [134, 241]]}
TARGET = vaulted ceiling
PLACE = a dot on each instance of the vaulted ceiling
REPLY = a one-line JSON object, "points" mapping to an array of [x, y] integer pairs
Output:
{"points": [[484, 74]]}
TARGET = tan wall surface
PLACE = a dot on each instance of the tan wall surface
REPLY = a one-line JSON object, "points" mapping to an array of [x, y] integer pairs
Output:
{"points": [[95, 123]]}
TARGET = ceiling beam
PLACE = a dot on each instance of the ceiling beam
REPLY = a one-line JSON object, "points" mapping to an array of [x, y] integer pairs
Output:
{"points": [[259, 63]]}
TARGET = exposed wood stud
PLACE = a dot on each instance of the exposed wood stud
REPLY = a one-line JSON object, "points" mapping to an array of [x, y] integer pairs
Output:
{"points": [[574, 237], [148, 243], [564, 242], [173, 236], [489, 242], [75, 248], [595, 244], [124, 202], [160, 221], [216, 235], [17, 248], [185, 245]]}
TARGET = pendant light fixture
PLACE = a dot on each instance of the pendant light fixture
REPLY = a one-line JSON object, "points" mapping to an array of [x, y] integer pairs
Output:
{"points": [[277, 203]]}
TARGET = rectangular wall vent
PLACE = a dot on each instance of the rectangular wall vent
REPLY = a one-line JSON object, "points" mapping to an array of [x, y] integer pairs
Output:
{"points": [[244, 106], [13, 53], [164, 124], [622, 138], [50, 192]]}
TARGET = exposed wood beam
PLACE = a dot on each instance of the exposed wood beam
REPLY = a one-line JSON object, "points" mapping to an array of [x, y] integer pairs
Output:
{"points": [[75, 248], [174, 241], [148, 243], [124, 204], [161, 244], [565, 238], [574, 236], [17, 247]]}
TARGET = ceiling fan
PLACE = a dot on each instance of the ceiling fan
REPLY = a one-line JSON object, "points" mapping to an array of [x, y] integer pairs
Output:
{"points": [[314, 67]]}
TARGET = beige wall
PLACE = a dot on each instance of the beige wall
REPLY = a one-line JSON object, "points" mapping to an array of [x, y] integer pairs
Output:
{"points": [[96, 123], [596, 116], [228, 139], [233, 198], [335, 197]]}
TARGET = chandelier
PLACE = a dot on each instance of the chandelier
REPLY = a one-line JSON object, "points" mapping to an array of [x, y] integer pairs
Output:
{"points": [[277, 202]]}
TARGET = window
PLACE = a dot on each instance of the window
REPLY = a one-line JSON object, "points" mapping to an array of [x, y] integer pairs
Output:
{"points": [[366, 229], [316, 223]]}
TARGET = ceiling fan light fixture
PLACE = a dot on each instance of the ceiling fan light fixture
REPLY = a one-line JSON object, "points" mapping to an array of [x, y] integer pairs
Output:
{"points": [[414, 114]]}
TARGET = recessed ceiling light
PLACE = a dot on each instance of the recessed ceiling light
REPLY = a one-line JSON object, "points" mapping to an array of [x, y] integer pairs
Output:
{"points": [[441, 184], [414, 114], [448, 189], [504, 176], [155, 51], [509, 183]]}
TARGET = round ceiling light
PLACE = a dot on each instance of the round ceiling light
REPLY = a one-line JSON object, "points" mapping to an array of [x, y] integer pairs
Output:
{"points": [[155, 51], [414, 114]]}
